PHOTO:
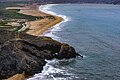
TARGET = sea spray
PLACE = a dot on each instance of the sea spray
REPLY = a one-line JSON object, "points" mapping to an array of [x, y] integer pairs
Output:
{"points": [[53, 71]]}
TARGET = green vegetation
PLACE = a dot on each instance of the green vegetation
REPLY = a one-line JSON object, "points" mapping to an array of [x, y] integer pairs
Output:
{"points": [[17, 28], [50, 17], [2, 23], [12, 14], [14, 10], [8, 14], [8, 28]]}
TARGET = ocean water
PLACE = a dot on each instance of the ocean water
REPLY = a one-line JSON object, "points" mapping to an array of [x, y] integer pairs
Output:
{"points": [[94, 31]]}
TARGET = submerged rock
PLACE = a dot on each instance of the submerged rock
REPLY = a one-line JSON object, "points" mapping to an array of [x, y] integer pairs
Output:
{"points": [[28, 53]]}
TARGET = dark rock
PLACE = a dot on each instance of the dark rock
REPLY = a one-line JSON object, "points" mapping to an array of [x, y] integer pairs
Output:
{"points": [[28, 53], [13, 59]]}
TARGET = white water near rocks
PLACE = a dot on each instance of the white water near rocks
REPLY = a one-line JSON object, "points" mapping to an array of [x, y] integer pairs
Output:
{"points": [[52, 70], [94, 31]]}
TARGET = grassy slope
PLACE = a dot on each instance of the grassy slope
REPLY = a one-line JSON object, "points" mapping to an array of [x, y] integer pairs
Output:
{"points": [[12, 14]]}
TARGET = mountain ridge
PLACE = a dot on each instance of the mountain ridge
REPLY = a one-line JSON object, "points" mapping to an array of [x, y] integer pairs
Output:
{"points": [[70, 1]]}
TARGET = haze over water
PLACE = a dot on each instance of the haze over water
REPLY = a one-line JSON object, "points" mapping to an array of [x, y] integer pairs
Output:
{"points": [[94, 31]]}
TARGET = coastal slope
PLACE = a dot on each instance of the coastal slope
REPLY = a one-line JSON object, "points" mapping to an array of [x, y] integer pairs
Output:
{"points": [[22, 52], [38, 26], [27, 55]]}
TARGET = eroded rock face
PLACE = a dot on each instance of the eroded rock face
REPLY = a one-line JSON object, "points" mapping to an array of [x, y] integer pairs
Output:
{"points": [[28, 53]]}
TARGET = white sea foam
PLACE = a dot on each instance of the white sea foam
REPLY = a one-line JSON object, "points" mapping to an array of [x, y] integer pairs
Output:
{"points": [[49, 69], [84, 56], [57, 27]]}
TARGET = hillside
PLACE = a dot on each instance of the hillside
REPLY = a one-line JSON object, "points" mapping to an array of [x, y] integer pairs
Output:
{"points": [[70, 1], [80, 1]]}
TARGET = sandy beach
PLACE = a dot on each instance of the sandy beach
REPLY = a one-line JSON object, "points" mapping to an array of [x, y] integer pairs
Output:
{"points": [[39, 26]]}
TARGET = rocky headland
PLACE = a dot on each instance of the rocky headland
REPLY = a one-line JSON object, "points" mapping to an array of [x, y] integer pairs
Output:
{"points": [[27, 53]]}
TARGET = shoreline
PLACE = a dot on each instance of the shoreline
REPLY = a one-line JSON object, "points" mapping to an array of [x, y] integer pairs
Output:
{"points": [[46, 69], [40, 31], [35, 27], [39, 26], [45, 9]]}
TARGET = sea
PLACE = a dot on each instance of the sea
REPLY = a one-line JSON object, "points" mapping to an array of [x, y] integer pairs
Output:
{"points": [[94, 31]]}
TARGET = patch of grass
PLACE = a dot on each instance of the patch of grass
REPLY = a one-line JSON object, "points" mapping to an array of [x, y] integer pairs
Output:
{"points": [[8, 28], [8, 14], [12, 14], [50, 17], [14, 10], [2, 23]]}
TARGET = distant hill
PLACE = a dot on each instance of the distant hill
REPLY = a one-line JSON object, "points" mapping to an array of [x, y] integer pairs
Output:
{"points": [[12, 0], [72, 1], [80, 1]]}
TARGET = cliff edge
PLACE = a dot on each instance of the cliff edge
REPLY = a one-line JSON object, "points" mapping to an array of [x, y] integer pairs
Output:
{"points": [[27, 53]]}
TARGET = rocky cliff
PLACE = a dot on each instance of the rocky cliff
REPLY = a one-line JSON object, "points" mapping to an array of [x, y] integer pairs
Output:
{"points": [[27, 53]]}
